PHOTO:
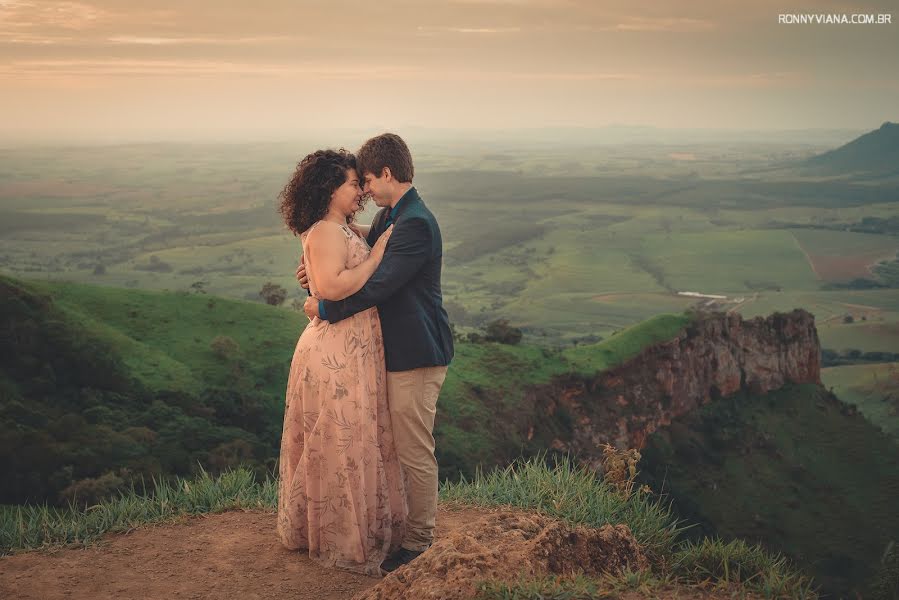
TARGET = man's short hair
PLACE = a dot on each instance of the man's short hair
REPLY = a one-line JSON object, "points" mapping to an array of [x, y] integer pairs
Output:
{"points": [[386, 150]]}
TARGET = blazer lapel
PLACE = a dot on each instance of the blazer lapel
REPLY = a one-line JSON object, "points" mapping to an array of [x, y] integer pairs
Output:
{"points": [[411, 198]]}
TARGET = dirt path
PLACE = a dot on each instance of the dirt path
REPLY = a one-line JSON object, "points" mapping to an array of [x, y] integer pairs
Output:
{"points": [[808, 258], [227, 555]]}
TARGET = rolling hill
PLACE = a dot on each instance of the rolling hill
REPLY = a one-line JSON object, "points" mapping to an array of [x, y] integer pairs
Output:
{"points": [[874, 153]]}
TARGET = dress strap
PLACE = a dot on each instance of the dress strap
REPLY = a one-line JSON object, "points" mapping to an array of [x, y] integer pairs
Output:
{"points": [[346, 230], [314, 225]]}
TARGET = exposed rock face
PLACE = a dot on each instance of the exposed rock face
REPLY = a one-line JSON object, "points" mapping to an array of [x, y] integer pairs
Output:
{"points": [[714, 357], [503, 546]]}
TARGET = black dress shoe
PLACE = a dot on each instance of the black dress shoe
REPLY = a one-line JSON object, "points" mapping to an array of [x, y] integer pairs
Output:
{"points": [[399, 558]]}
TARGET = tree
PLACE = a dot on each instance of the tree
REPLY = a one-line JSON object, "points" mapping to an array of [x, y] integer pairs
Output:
{"points": [[273, 294], [500, 331]]}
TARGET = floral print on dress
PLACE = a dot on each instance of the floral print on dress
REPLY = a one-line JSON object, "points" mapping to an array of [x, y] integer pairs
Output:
{"points": [[340, 492]]}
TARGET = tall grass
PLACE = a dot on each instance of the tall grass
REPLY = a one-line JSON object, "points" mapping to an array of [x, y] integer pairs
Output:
{"points": [[573, 493], [770, 575], [31, 527], [562, 489]]}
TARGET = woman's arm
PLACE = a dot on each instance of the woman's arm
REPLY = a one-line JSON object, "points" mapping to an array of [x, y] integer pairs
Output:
{"points": [[327, 252]]}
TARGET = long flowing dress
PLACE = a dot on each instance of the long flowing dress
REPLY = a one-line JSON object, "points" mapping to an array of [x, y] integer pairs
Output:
{"points": [[341, 489]]}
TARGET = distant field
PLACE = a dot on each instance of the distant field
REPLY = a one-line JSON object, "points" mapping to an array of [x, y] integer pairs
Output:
{"points": [[717, 262], [844, 255], [566, 242], [874, 389]]}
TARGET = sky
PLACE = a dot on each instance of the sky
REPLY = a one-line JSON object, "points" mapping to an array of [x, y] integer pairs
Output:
{"points": [[225, 69]]}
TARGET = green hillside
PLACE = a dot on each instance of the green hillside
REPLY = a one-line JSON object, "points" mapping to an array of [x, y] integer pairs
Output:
{"points": [[101, 386], [796, 469]]}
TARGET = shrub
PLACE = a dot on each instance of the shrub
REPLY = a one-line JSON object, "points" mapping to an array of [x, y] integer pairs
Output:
{"points": [[89, 491], [500, 331], [273, 294], [155, 265], [230, 455], [886, 580], [224, 347]]}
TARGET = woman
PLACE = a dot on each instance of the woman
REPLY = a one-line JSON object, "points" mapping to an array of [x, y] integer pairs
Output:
{"points": [[340, 492]]}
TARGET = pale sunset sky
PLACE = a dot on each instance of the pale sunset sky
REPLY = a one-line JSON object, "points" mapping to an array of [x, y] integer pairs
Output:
{"points": [[198, 69]]}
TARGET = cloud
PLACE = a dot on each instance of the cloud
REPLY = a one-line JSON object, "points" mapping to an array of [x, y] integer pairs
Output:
{"points": [[24, 37], [189, 68], [678, 24], [754, 80], [512, 2], [172, 41], [15, 14], [475, 30]]}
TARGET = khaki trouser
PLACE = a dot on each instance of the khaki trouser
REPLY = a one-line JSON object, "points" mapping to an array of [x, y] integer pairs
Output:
{"points": [[412, 396]]}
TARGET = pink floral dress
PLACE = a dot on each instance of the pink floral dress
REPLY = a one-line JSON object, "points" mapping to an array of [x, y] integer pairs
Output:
{"points": [[340, 493]]}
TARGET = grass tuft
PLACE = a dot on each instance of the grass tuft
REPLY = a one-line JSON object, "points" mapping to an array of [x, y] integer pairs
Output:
{"points": [[38, 526], [572, 493], [769, 574]]}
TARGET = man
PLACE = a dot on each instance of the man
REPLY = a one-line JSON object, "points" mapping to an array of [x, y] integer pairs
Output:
{"points": [[418, 343]]}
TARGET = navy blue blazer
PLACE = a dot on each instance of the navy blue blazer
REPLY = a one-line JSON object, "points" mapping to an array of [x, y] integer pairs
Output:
{"points": [[406, 289]]}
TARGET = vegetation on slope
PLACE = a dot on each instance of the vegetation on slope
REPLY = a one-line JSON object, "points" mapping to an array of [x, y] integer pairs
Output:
{"points": [[102, 387], [796, 469]]}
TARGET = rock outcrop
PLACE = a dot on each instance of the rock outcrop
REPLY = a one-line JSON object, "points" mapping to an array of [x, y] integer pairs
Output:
{"points": [[715, 356], [503, 547]]}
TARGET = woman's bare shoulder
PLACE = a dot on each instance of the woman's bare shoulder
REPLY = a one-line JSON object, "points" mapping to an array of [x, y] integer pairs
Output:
{"points": [[325, 232]]}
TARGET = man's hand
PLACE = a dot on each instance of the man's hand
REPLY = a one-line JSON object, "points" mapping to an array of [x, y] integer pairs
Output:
{"points": [[301, 274], [310, 307]]}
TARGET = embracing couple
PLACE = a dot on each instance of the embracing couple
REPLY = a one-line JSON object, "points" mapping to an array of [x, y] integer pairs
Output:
{"points": [[358, 476]]}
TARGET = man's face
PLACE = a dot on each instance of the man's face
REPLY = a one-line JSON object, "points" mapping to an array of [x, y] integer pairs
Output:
{"points": [[378, 188]]}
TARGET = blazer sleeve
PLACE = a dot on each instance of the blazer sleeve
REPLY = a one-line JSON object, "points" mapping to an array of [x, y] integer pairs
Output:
{"points": [[407, 252]]}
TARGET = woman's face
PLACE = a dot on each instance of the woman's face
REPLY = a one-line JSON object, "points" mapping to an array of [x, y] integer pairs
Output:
{"points": [[347, 199]]}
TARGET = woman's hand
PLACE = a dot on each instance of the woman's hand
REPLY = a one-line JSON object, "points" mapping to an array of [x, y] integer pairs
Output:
{"points": [[377, 251]]}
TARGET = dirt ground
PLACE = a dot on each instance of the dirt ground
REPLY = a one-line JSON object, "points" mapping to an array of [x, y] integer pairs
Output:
{"points": [[234, 554], [237, 554]]}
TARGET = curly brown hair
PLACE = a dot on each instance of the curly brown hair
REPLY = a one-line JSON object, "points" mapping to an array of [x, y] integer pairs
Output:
{"points": [[386, 150], [305, 198]]}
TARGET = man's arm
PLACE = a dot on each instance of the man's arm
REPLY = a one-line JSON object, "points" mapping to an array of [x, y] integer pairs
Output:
{"points": [[409, 249]]}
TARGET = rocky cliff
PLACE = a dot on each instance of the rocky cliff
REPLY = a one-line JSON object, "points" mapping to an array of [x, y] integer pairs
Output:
{"points": [[715, 356]]}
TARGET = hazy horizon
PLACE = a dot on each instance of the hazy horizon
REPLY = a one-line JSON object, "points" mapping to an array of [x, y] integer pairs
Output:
{"points": [[107, 71], [350, 138]]}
